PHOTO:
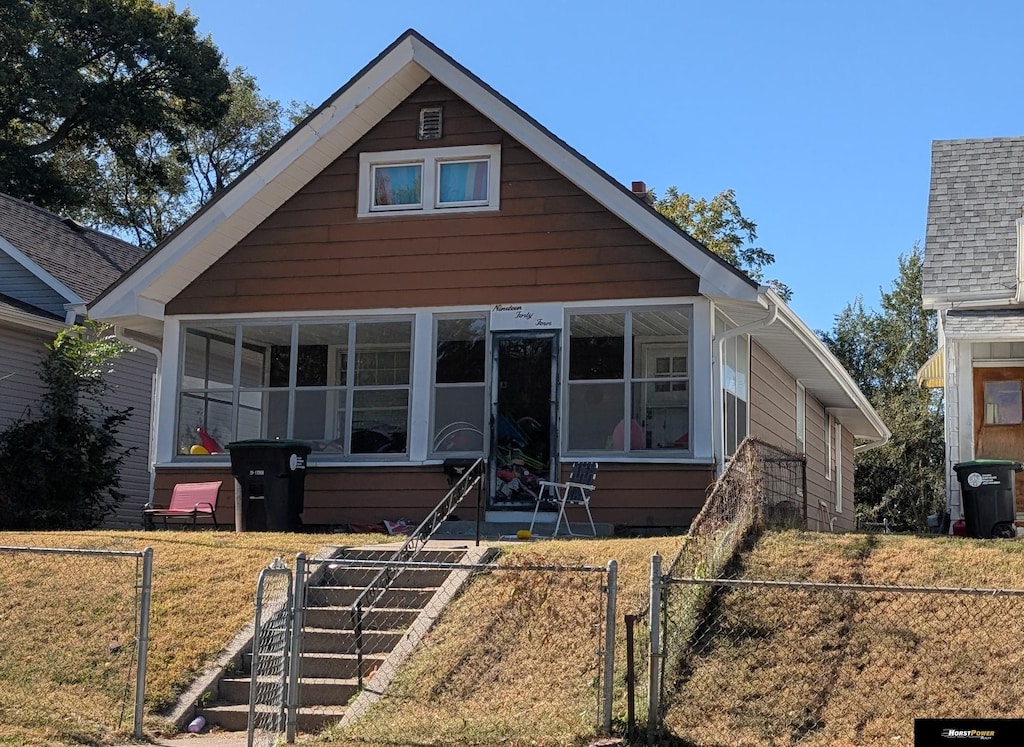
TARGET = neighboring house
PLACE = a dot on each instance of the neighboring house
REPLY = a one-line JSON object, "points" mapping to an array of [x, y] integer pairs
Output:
{"points": [[50, 268], [420, 271], [974, 277]]}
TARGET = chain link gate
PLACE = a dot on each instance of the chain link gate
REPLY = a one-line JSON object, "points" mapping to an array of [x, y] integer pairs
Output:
{"points": [[271, 660]]}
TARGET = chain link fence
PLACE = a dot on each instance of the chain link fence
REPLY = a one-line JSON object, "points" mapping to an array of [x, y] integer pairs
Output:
{"points": [[762, 485], [268, 678], [502, 629], [73, 637], [782, 663]]}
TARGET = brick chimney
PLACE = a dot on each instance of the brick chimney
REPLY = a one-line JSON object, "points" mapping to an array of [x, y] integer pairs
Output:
{"points": [[640, 190]]}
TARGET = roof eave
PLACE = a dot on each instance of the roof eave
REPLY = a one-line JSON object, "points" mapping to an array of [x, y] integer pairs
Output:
{"points": [[965, 300], [337, 124]]}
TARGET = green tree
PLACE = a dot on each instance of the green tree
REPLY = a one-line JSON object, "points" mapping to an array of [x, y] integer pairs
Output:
{"points": [[81, 79], [720, 226], [60, 469], [904, 480], [206, 161]]}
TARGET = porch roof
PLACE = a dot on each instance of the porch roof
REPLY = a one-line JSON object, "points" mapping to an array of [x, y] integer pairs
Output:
{"points": [[798, 349]]}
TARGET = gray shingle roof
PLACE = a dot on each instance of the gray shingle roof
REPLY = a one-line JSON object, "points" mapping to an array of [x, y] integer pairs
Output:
{"points": [[84, 260], [976, 196]]}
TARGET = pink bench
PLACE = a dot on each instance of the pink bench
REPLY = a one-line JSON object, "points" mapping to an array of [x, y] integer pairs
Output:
{"points": [[189, 500]]}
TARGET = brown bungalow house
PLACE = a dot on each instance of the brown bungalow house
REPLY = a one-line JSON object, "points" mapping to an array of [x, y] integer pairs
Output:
{"points": [[421, 271]]}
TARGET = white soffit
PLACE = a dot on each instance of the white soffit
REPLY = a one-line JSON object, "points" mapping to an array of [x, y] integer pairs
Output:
{"points": [[799, 351]]}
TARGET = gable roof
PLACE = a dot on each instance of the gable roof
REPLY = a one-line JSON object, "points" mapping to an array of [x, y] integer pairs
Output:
{"points": [[139, 297], [975, 199], [76, 262], [331, 130]]}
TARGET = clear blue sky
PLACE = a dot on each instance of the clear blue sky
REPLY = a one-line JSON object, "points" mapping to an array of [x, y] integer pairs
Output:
{"points": [[819, 114]]}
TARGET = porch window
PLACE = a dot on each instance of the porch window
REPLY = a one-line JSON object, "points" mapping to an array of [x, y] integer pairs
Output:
{"points": [[735, 386], [1003, 403], [460, 365], [297, 380], [429, 179], [629, 381]]}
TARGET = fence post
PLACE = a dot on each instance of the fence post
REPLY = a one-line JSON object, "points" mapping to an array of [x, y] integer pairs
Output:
{"points": [[630, 678], [295, 646], [609, 645], [142, 649], [653, 717]]}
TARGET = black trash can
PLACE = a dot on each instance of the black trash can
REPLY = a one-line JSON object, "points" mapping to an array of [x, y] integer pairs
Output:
{"points": [[270, 479], [989, 503]]}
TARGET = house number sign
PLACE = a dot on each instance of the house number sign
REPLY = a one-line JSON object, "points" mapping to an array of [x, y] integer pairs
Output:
{"points": [[534, 316]]}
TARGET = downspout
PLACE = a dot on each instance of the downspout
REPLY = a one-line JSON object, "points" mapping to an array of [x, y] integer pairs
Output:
{"points": [[721, 339], [154, 397]]}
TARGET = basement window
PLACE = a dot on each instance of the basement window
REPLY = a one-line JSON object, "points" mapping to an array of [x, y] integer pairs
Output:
{"points": [[458, 179]]}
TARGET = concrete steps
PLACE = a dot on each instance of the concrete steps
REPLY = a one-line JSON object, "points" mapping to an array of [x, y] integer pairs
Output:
{"points": [[328, 664]]}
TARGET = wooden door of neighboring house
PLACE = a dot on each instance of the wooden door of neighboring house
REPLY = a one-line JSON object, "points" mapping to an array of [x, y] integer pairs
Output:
{"points": [[999, 419]]}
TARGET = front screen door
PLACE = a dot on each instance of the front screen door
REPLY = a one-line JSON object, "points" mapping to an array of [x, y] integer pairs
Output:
{"points": [[524, 411], [999, 418]]}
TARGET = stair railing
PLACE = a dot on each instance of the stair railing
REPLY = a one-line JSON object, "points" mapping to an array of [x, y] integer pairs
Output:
{"points": [[472, 478]]}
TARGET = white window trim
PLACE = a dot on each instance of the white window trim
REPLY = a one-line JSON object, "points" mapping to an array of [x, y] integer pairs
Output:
{"points": [[626, 454], [430, 159], [431, 452], [169, 454], [801, 418]]}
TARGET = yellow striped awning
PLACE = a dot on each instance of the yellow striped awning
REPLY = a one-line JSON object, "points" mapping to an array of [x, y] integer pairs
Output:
{"points": [[933, 373]]}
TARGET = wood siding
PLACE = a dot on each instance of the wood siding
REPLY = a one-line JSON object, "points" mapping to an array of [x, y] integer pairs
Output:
{"points": [[132, 386], [549, 241], [772, 400], [131, 381], [630, 495], [847, 520], [20, 386], [819, 488], [773, 419]]}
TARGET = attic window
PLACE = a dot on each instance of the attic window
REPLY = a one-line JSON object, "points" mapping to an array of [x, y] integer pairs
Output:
{"points": [[430, 123], [459, 179]]}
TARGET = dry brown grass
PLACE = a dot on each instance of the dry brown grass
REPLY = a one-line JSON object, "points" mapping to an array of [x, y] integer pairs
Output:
{"points": [[66, 631], [779, 666], [514, 660]]}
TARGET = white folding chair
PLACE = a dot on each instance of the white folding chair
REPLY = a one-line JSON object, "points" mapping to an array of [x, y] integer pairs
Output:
{"points": [[575, 491]]}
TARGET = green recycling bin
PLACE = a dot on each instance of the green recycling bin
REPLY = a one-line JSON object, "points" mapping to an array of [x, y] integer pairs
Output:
{"points": [[270, 479], [989, 497]]}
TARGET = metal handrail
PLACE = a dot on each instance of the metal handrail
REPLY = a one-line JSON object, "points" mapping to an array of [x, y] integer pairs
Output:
{"points": [[472, 478]]}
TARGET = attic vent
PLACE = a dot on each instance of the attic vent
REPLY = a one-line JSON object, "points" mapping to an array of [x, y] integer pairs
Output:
{"points": [[430, 123], [74, 225]]}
